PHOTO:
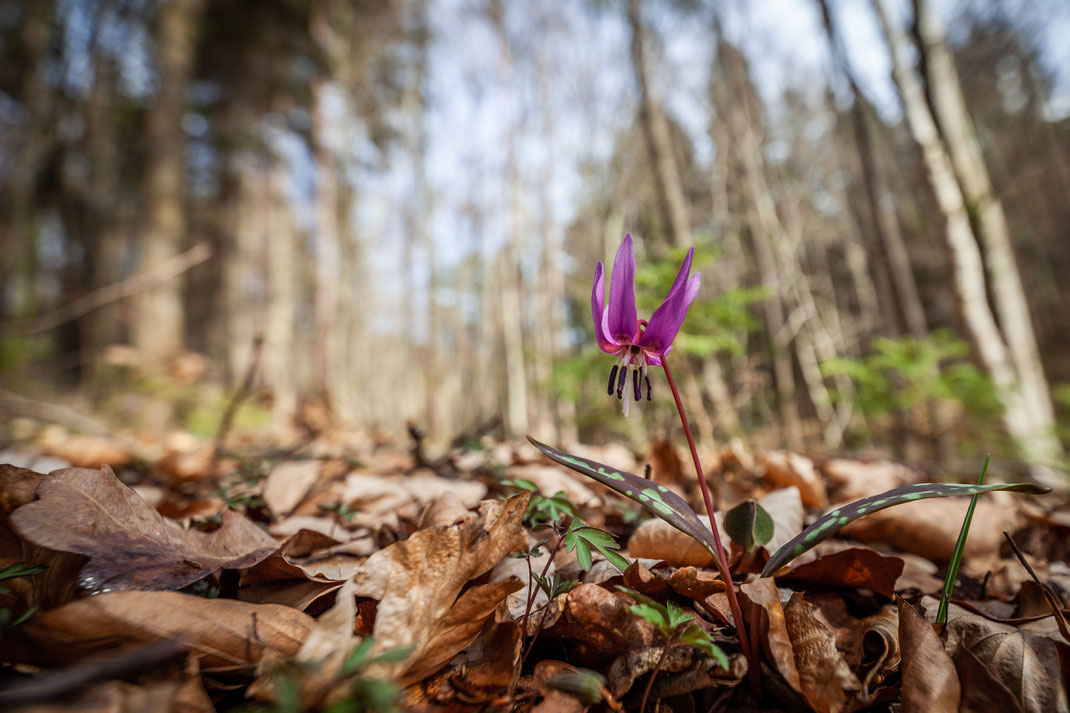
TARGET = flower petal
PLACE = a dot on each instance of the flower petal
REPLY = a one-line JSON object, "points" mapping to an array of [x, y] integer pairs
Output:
{"points": [[669, 316], [622, 314], [598, 310]]}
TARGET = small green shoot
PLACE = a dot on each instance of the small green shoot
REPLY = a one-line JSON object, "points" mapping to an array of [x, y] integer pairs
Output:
{"points": [[675, 625], [13, 571], [542, 508], [555, 585], [749, 525], [956, 556], [582, 539]]}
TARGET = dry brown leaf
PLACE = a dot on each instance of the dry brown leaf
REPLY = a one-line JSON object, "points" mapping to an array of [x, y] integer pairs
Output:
{"points": [[601, 623], [785, 507], [784, 469], [697, 584], [930, 528], [551, 479], [129, 544], [379, 499], [824, 675], [226, 634], [418, 584], [658, 540], [858, 567], [764, 597], [849, 480], [288, 483], [447, 510], [981, 690], [930, 683], [1026, 663], [84, 451]]}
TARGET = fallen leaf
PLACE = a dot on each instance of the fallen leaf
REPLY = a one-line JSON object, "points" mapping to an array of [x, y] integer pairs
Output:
{"points": [[824, 675], [785, 506], [930, 683], [288, 484], [378, 499], [764, 598], [849, 480], [446, 510], [224, 633], [658, 540], [981, 690], [600, 623], [551, 480], [418, 584], [697, 584], [85, 451], [784, 469], [858, 567], [129, 544]]}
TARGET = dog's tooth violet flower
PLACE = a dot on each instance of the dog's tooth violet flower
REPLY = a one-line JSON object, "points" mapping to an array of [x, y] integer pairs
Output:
{"points": [[637, 343]]}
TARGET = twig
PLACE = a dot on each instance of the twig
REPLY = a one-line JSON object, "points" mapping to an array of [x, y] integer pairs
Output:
{"points": [[148, 280], [237, 399], [66, 681], [1054, 603], [654, 673], [13, 403]]}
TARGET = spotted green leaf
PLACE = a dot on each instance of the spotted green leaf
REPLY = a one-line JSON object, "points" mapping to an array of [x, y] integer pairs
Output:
{"points": [[828, 524], [659, 500]]}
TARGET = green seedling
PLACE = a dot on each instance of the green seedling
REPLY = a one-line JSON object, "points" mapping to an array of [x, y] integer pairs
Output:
{"points": [[588, 687], [583, 539], [341, 511], [831, 522], [13, 571], [555, 585], [956, 556], [542, 508], [749, 525], [677, 626]]}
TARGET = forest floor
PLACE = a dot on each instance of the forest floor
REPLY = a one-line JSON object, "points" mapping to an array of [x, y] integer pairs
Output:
{"points": [[348, 574]]}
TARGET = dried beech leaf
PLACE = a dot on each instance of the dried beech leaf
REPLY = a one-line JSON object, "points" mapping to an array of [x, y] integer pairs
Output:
{"points": [[784, 469], [288, 484], [226, 634], [981, 690], [858, 567], [824, 675], [130, 545], [764, 597], [930, 683], [602, 622], [418, 583]]}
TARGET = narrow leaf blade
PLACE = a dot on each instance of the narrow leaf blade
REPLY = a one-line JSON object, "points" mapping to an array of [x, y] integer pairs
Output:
{"points": [[830, 523], [657, 499]]}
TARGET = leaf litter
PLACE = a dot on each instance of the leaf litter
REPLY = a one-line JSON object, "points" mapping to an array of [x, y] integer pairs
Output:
{"points": [[388, 585]]}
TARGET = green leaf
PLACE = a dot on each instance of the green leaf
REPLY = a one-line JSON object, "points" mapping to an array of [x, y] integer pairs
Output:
{"points": [[654, 615], [18, 569], [356, 657], [749, 525], [675, 616], [698, 637], [830, 523], [657, 499], [583, 684], [952, 573]]}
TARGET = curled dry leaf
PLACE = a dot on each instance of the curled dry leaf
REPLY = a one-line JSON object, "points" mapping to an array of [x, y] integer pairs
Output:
{"points": [[849, 480], [767, 613], [628, 667], [130, 545], [858, 567], [288, 484], [601, 623], [378, 499], [418, 584], [824, 675], [695, 583], [224, 633], [930, 683]]}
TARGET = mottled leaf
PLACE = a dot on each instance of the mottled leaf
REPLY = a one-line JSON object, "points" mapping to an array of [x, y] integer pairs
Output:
{"points": [[831, 522], [657, 499]]}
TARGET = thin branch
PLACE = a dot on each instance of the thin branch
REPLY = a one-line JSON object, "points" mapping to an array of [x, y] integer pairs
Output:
{"points": [[136, 285]]}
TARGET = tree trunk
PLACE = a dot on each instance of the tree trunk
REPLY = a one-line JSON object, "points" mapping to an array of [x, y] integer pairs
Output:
{"points": [[948, 108], [1033, 440], [281, 242], [158, 315], [671, 200]]}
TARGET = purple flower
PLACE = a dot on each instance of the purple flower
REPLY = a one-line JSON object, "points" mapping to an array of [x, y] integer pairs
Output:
{"points": [[637, 342]]}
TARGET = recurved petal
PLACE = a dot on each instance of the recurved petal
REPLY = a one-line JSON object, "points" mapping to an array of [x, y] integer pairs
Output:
{"points": [[669, 316], [622, 313]]}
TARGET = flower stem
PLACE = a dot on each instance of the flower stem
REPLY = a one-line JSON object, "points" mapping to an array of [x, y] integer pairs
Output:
{"points": [[722, 561]]}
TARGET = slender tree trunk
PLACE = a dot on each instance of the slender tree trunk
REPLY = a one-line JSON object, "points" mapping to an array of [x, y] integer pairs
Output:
{"points": [[158, 315], [671, 200], [948, 108], [280, 341], [969, 274]]}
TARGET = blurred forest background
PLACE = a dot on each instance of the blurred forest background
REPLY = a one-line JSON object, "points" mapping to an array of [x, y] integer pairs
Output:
{"points": [[394, 207]]}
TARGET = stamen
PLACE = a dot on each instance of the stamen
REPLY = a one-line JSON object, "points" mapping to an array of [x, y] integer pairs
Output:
{"points": [[612, 379], [620, 382], [647, 387], [636, 391]]}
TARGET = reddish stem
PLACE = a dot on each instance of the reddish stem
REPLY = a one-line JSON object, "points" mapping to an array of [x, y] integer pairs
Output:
{"points": [[722, 561]]}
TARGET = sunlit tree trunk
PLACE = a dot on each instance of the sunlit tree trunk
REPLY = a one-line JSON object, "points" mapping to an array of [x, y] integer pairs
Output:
{"points": [[1020, 415], [670, 194], [158, 315], [953, 120]]}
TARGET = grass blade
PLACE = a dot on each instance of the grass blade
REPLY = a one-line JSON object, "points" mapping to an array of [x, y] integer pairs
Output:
{"points": [[960, 547]]}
